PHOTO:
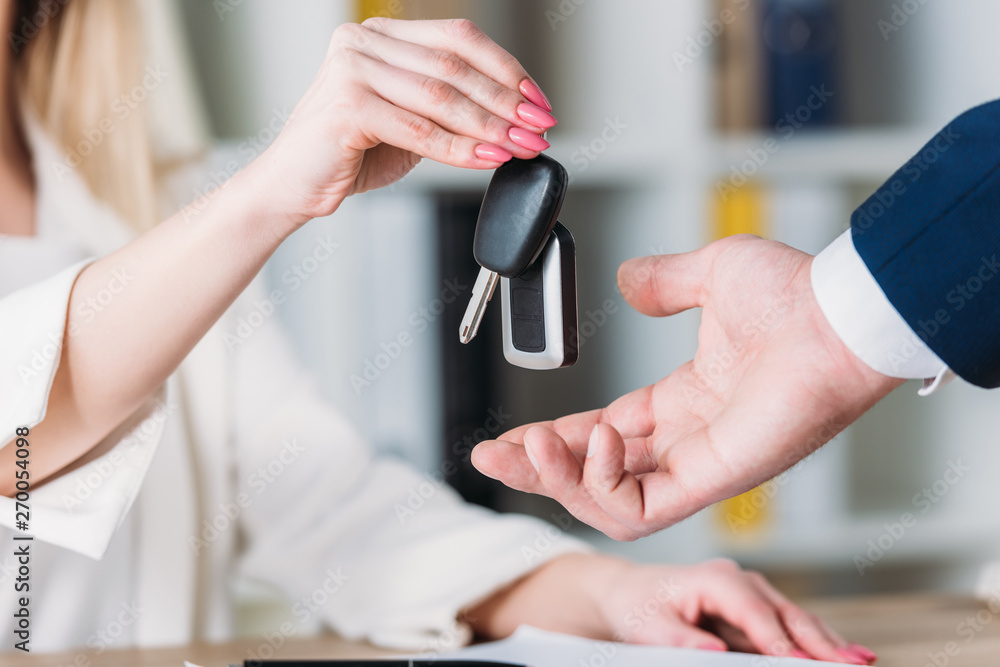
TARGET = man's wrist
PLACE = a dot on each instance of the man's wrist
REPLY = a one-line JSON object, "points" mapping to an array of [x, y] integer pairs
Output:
{"points": [[864, 319]]}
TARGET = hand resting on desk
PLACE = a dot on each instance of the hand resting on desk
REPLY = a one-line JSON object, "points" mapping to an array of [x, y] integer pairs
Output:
{"points": [[713, 605]]}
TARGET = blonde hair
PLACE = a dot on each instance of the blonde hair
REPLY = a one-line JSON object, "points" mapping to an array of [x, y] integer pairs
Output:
{"points": [[74, 73]]}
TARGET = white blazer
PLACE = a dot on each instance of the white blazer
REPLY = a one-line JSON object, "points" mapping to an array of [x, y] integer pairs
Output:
{"points": [[237, 468]]}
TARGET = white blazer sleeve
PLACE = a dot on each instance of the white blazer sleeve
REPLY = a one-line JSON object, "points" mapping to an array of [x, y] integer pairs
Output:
{"points": [[369, 547], [81, 509]]}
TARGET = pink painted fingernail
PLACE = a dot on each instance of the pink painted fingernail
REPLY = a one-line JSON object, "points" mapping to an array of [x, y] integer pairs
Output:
{"points": [[852, 657], [527, 139], [494, 153], [529, 113], [531, 90], [864, 652], [711, 647]]}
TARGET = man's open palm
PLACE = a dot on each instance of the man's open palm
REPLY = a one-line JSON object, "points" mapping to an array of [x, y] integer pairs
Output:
{"points": [[769, 384]]}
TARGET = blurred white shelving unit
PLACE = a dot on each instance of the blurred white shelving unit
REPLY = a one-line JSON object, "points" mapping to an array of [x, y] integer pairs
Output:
{"points": [[832, 155], [852, 155]]}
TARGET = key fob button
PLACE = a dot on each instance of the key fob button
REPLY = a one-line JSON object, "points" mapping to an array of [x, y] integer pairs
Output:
{"points": [[527, 311], [539, 308]]}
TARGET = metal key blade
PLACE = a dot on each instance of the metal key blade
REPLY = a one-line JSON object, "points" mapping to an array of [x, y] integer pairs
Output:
{"points": [[482, 292]]}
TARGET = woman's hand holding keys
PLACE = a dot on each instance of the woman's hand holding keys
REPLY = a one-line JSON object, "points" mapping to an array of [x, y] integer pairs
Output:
{"points": [[391, 92]]}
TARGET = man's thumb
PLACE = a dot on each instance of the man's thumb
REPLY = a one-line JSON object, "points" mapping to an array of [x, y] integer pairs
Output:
{"points": [[662, 285]]}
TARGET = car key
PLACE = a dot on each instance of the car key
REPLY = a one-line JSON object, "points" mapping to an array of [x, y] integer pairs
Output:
{"points": [[539, 308], [519, 211]]}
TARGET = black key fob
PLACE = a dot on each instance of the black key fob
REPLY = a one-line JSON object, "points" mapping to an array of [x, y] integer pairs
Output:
{"points": [[519, 210]]}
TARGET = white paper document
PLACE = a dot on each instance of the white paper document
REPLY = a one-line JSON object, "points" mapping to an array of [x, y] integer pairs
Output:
{"points": [[538, 648]]}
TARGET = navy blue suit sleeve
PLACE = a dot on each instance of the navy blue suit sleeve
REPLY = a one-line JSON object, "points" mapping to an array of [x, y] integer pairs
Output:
{"points": [[931, 235]]}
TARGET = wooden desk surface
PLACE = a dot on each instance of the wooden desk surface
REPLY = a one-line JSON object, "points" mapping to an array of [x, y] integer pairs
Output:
{"points": [[906, 631]]}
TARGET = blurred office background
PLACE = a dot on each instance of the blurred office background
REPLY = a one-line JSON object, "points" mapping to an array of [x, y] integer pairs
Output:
{"points": [[662, 105]]}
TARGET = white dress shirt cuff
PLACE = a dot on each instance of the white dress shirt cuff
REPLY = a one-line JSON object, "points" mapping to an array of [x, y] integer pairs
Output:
{"points": [[867, 323]]}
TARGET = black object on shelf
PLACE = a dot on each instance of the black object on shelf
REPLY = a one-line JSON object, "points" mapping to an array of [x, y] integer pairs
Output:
{"points": [[471, 410], [800, 52]]}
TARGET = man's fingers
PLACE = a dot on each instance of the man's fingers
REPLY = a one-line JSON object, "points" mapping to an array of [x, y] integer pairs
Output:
{"points": [[662, 285], [631, 415], [561, 477], [555, 463], [643, 503], [508, 463], [612, 487]]}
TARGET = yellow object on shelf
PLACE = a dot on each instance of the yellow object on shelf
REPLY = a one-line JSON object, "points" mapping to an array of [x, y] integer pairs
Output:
{"points": [[410, 9], [740, 210], [394, 9]]}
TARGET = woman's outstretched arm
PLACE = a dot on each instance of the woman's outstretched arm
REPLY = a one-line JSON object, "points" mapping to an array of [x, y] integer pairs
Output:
{"points": [[388, 93]]}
